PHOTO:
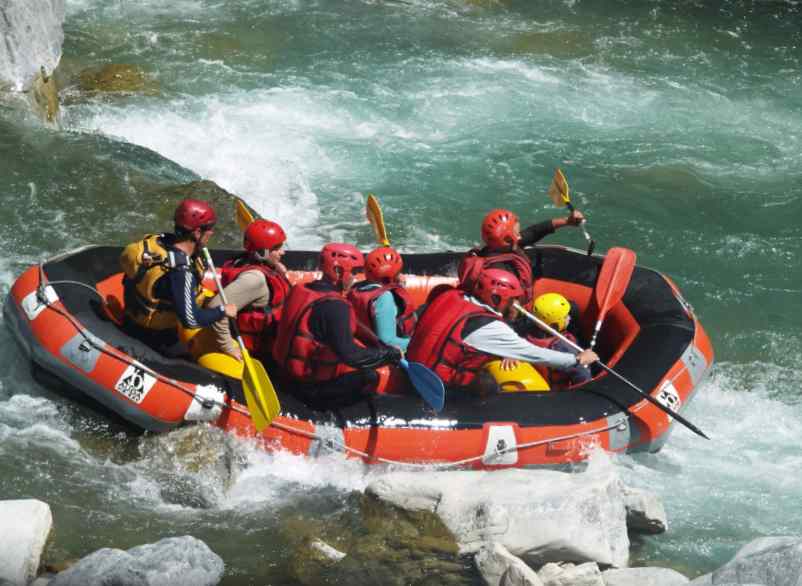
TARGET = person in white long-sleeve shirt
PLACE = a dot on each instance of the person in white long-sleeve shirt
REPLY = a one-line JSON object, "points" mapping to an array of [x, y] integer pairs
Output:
{"points": [[460, 331]]}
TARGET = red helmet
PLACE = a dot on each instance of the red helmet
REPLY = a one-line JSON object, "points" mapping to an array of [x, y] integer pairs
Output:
{"points": [[498, 228], [338, 260], [194, 213], [383, 264], [263, 235], [496, 285]]}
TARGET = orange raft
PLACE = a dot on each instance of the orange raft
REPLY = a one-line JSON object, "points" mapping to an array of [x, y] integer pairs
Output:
{"points": [[652, 338]]}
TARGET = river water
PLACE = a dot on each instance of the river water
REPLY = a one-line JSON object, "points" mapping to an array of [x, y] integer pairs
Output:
{"points": [[678, 124]]}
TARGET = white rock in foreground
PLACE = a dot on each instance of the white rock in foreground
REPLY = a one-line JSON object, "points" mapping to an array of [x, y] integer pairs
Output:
{"points": [[768, 561], [586, 574], [499, 567], [644, 577], [177, 561], [538, 515], [24, 528]]}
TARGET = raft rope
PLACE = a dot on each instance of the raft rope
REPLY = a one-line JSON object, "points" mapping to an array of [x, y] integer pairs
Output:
{"points": [[326, 441]]}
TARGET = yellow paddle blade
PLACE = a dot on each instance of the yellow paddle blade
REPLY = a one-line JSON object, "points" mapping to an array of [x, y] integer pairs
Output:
{"points": [[259, 392], [558, 190], [376, 220], [243, 214]]}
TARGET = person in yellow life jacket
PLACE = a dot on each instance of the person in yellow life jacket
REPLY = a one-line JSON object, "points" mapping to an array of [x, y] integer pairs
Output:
{"points": [[460, 331], [163, 275], [381, 302], [256, 283], [504, 247], [315, 344], [555, 311]]}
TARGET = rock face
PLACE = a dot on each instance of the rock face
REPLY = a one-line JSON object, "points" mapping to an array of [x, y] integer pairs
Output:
{"points": [[24, 528], [769, 561], [32, 37], [178, 561], [645, 512], [538, 515]]}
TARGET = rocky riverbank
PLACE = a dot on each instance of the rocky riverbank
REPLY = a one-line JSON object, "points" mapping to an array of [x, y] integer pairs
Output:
{"points": [[517, 527]]}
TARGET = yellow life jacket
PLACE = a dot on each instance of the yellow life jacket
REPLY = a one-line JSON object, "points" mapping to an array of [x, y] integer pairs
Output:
{"points": [[144, 262]]}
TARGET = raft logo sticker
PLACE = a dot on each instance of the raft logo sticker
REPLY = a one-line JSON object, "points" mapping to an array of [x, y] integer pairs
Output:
{"points": [[668, 396], [135, 383]]}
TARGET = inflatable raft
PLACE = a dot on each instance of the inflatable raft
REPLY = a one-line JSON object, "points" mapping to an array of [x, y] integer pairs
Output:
{"points": [[651, 337]]}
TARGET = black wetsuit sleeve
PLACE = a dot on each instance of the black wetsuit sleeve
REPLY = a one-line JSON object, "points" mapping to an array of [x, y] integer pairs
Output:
{"points": [[183, 287], [330, 323], [535, 233]]}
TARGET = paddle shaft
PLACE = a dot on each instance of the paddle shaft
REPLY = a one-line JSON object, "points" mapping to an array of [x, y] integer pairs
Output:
{"points": [[231, 322], [630, 384]]}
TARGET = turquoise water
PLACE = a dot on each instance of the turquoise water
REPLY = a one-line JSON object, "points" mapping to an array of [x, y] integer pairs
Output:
{"points": [[678, 125]]}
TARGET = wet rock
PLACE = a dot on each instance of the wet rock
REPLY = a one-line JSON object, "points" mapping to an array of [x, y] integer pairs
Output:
{"points": [[178, 561], [24, 528], [227, 233], [770, 561], [643, 577], [570, 575], [645, 512], [116, 77], [538, 515], [564, 44], [498, 566], [45, 95]]}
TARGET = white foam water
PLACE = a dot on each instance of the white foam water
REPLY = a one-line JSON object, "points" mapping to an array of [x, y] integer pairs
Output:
{"points": [[32, 37]]}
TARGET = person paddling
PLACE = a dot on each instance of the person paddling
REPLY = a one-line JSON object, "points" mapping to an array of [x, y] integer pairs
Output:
{"points": [[315, 344], [504, 244], [256, 283], [162, 284], [381, 302], [460, 331]]}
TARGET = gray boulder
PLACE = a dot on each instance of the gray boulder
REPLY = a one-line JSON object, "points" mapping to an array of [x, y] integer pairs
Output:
{"points": [[567, 574], [645, 512], [768, 561], [177, 561], [498, 567], [644, 577], [538, 515], [24, 528]]}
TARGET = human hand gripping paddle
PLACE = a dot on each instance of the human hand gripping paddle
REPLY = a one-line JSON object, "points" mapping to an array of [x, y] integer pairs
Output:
{"points": [[425, 381], [559, 192], [630, 384], [614, 277], [259, 391]]}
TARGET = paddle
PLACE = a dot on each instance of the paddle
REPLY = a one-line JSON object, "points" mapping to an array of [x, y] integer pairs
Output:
{"points": [[259, 392], [616, 271], [376, 219], [243, 214], [559, 192], [645, 395]]}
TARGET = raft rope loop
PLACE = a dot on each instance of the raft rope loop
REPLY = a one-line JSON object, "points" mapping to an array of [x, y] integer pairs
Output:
{"points": [[327, 441]]}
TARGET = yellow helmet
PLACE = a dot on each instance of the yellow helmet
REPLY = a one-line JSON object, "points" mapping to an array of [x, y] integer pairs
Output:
{"points": [[523, 377], [554, 309]]}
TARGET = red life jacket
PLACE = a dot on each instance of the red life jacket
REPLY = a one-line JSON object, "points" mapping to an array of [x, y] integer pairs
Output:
{"points": [[296, 349], [438, 343], [257, 324], [362, 297], [472, 264]]}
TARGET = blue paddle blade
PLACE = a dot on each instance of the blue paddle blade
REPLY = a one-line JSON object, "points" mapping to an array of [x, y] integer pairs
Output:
{"points": [[426, 383]]}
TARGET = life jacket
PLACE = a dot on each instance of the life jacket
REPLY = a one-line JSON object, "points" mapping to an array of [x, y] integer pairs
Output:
{"points": [[144, 262], [557, 378], [295, 349], [362, 295], [257, 324], [438, 343], [473, 263]]}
